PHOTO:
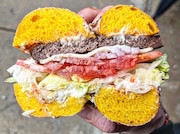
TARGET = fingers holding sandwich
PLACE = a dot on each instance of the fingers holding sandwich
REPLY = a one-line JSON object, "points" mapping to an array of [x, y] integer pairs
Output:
{"points": [[89, 14], [92, 14], [95, 118]]}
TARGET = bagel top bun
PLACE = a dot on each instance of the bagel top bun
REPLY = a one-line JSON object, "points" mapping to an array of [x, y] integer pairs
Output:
{"points": [[126, 19], [49, 24]]}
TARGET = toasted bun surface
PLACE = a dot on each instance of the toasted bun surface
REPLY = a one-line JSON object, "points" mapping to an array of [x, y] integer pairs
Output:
{"points": [[55, 109], [130, 109], [46, 25], [127, 19]]}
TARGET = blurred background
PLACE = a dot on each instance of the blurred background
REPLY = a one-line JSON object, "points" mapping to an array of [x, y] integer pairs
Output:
{"points": [[11, 12]]}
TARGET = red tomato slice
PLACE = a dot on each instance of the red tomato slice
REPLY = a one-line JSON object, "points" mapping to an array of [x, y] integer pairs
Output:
{"points": [[91, 68], [149, 56]]}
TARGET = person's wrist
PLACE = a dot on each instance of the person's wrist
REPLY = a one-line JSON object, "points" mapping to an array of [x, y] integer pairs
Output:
{"points": [[164, 119], [160, 119]]}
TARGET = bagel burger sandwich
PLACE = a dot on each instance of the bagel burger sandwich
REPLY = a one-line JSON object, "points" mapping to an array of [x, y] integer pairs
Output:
{"points": [[111, 62], [44, 85], [132, 96]]}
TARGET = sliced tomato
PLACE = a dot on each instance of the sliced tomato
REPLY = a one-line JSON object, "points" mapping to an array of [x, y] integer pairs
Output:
{"points": [[33, 66], [91, 67], [149, 56]]}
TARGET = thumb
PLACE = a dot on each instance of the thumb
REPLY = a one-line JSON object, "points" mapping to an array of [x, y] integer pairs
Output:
{"points": [[94, 117], [88, 14], [100, 13]]}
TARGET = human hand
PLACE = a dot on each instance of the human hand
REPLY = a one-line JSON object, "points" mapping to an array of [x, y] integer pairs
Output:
{"points": [[94, 117]]}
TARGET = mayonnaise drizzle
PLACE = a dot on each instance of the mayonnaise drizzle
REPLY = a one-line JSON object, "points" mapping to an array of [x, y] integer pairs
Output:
{"points": [[112, 49]]}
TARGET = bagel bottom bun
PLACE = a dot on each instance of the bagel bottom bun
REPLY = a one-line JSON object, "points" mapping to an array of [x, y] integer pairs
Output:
{"points": [[130, 109], [33, 107]]}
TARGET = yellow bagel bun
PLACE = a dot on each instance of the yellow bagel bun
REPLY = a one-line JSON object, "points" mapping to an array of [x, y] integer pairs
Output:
{"points": [[46, 25], [130, 109], [55, 109], [128, 20]]}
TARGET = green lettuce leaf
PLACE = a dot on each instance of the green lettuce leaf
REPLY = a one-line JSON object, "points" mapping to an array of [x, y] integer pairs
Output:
{"points": [[10, 80], [164, 66]]}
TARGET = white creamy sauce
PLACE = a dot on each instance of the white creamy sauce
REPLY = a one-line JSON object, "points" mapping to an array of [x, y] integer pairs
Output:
{"points": [[69, 40], [28, 113], [121, 34], [116, 49], [137, 86]]}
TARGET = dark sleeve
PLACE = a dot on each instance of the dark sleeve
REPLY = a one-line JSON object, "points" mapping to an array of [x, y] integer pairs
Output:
{"points": [[166, 129]]}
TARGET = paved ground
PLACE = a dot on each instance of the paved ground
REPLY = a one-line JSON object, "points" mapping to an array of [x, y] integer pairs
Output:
{"points": [[12, 122]]}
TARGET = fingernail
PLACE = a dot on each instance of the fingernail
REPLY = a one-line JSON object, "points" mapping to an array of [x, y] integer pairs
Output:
{"points": [[86, 113], [95, 8]]}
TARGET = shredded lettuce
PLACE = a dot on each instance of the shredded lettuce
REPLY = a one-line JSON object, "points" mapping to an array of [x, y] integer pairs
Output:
{"points": [[149, 76], [25, 77], [59, 84], [49, 86], [10, 80], [153, 73], [164, 66], [52, 87]]}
